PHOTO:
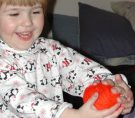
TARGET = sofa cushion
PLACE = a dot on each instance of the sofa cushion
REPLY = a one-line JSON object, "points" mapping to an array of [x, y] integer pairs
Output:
{"points": [[66, 29], [126, 9], [105, 34]]}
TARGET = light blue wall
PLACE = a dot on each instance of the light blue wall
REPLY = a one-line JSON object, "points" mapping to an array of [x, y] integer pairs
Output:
{"points": [[70, 7]]}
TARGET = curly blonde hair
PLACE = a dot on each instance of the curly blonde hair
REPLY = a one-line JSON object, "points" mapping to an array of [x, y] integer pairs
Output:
{"points": [[25, 2]]}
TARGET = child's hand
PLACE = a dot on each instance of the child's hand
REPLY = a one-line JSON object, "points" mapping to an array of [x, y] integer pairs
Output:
{"points": [[106, 97], [126, 94], [89, 111]]}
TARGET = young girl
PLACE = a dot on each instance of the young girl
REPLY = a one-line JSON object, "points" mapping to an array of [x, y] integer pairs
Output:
{"points": [[34, 71]]}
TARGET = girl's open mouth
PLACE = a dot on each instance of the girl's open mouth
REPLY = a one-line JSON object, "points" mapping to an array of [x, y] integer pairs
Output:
{"points": [[24, 35]]}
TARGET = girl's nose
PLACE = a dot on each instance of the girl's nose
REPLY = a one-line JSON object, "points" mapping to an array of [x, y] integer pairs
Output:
{"points": [[28, 21]]}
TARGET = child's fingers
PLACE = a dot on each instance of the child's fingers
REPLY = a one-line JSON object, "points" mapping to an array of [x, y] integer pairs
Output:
{"points": [[117, 89], [120, 81], [127, 107], [116, 113], [96, 82], [125, 111], [111, 110], [108, 81]]}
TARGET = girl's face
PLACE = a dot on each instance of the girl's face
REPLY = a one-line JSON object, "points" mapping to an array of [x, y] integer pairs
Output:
{"points": [[20, 26]]}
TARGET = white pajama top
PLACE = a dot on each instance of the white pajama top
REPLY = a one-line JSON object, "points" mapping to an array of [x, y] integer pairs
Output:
{"points": [[32, 81]]}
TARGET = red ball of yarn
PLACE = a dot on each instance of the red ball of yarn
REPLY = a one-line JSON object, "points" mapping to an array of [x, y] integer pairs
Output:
{"points": [[106, 98]]}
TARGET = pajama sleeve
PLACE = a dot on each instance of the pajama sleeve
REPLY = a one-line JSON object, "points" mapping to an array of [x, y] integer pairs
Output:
{"points": [[78, 71]]}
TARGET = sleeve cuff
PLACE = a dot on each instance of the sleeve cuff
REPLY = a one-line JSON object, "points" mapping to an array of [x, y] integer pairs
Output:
{"points": [[62, 108]]}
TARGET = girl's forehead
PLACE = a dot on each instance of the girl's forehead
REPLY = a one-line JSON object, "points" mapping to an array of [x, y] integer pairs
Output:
{"points": [[24, 2], [8, 7], [19, 2], [11, 7]]}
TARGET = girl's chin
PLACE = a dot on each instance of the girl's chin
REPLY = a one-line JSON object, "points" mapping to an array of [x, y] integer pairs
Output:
{"points": [[20, 46]]}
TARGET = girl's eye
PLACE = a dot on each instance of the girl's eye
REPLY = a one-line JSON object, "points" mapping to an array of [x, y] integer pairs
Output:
{"points": [[36, 12], [13, 14]]}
